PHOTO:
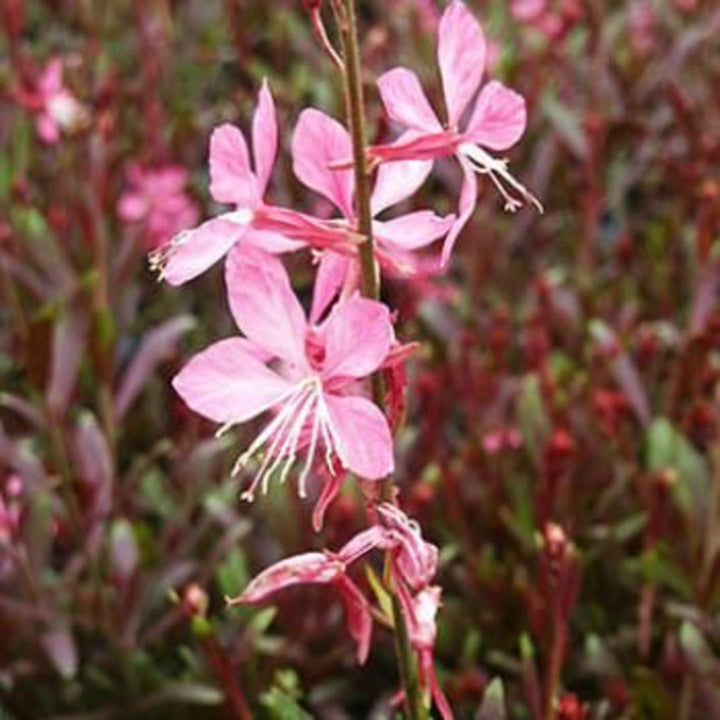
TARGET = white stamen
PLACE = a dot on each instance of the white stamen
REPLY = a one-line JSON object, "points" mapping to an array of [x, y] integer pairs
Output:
{"points": [[270, 430], [283, 434], [287, 454], [328, 436], [496, 169], [302, 480]]}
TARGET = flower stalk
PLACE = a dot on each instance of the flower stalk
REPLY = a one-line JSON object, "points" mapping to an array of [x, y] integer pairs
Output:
{"points": [[370, 285]]}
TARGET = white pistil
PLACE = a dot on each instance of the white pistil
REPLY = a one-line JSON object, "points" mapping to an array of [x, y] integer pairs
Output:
{"points": [[496, 169]]}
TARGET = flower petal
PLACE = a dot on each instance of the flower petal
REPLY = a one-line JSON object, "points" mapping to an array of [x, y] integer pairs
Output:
{"points": [[357, 615], [414, 230], [405, 102], [50, 81], [132, 207], [397, 181], [227, 383], [329, 278], [361, 435], [231, 177], [309, 567], [264, 137], [461, 56], [499, 118], [47, 129], [318, 142], [357, 336], [270, 241], [194, 251], [264, 305], [468, 201]]}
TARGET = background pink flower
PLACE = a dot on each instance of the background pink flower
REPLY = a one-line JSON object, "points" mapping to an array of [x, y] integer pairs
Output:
{"points": [[157, 199]]}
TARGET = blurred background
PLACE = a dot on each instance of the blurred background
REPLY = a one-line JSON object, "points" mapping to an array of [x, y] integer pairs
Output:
{"points": [[562, 440]]}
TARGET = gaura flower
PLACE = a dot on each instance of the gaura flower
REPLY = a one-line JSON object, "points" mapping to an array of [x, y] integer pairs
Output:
{"points": [[307, 374], [57, 108], [325, 568], [422, 630], [319, 143], [497, 118], [413, 563], [157, 199], [233, 180]]}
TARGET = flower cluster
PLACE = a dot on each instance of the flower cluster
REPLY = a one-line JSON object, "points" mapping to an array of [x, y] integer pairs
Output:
{"points": [[308, 372]]}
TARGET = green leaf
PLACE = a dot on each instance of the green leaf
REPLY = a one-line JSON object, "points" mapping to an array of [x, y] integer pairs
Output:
{"points": [[666, 449], [493, 704], [533, 420], [282, 700]]}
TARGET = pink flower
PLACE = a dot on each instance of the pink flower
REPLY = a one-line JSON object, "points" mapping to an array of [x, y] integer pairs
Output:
{"points": [[156, 197], [497, 118], [57, 107], [319, 142], [313, 385], [528, 10], [413, 564], [234, 181], [422, 631], [327, 569]]}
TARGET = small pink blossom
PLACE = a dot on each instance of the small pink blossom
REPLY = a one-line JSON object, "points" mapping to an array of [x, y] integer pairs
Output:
{"points": [[496, 121], [505, 438], [157, 198], [414, 562], [313, 385], [235, 181], [422, 630], [57, 108], [319, 143], [326, 569]]}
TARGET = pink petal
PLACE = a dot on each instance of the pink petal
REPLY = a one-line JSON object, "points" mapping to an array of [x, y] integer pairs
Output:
{"points": [[499, 118], [357, 335], [226, 383], [132, 207], [231, 178], [310, 567], [357, 615], [264, 305], [397, 181], [332, 483], [264, 137], [318, 142], [414, 230], [461, 56], [361, 435], [329, 278], [47, 129], [405, 102], [270, 241], [362, 543], [414, 145], [468, 201], [51, 79], [194, 251]]}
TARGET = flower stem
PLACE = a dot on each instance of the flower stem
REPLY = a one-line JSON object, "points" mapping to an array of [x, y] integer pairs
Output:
{"points": [[355, 109]]}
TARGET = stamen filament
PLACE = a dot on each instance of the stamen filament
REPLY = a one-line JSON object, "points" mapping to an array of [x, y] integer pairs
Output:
{"points": [[496, 169]]}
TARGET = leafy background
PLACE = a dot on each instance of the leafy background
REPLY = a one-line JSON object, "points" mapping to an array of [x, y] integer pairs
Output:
{"points": [[568, 373]]}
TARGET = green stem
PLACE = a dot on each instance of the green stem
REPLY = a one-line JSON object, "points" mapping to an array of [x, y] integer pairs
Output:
{"points": [[355, 109]]}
